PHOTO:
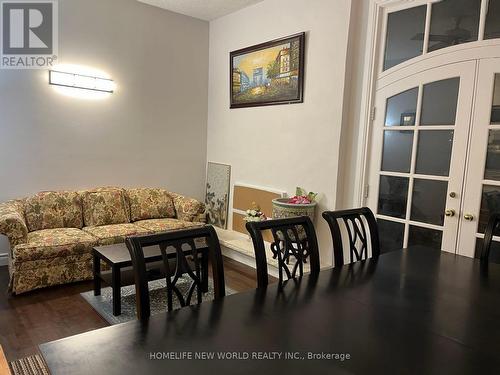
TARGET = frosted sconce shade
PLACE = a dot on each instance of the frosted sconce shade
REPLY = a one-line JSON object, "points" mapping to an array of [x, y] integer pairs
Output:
{"points": [[79, 81]]}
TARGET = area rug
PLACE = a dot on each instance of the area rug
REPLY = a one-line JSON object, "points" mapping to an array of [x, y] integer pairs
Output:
{"points": [[32, 365], [157, 294]]}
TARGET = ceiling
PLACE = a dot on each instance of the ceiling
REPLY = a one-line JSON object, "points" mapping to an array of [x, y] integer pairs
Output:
{"points": [[202, 9]]}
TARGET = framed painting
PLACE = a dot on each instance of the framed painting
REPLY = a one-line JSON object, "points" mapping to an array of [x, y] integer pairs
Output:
{"points": [[217, 194], [408, 119], [269, 73]]}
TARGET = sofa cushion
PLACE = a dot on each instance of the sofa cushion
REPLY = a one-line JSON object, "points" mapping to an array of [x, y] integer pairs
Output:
{"points": [[163, 225], [150, 204], [105, 206], [52, 243], [111, 234], [53, 209]]}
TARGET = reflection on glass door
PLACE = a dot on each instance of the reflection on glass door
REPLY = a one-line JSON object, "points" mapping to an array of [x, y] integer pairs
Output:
{"points": [[417, 29], [482, 192], [418, 157]]}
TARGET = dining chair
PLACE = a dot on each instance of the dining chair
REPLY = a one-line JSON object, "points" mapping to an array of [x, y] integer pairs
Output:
{"points": [[186, 248], [294, 239], [354, 231], [491, 228]]}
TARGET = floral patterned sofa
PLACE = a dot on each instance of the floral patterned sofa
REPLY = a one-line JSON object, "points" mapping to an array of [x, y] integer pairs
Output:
{"points": [[52, 234]]}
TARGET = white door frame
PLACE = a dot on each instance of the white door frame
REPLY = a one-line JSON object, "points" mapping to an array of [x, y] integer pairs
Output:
{"points": [[375, 78]]}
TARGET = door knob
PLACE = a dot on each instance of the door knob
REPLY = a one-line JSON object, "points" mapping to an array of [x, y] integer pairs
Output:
{"points": [[469, 217], [450, 213], [453, 194]]}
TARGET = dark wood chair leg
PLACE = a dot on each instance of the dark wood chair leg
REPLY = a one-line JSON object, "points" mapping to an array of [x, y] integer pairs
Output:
{"points": [[96, 267], [204, 271], [116, 281]]}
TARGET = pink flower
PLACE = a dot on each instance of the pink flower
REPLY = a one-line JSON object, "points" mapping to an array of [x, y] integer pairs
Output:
{"points": [[299, 200]]}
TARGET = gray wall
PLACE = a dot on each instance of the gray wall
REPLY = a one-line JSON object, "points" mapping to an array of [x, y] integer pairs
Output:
{"points": [[151, 132]]}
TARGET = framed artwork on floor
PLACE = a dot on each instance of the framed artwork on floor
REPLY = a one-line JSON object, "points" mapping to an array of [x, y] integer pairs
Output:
{"points": [[217, 194], [269, 73]]}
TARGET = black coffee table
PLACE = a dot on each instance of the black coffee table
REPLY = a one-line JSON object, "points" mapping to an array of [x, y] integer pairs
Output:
{"points": [[121, 273]]}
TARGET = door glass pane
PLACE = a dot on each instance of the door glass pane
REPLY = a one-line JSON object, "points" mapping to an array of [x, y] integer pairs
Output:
{"points": [[434, 152], [393, 195], [429, 201], [404, 38], [454, 22], [495, 112], [391, 235], [397, 151], [492, 27], [490, 204], [401, 108], [425, 237], [494, 251], [492, 170], [439, 102]]}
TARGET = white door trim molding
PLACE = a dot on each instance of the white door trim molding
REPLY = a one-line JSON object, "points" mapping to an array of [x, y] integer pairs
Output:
{"points": [[463, 52], [370, 76]]}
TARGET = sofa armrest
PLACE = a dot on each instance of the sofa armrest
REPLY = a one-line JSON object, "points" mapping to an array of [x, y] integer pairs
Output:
{"points": [[189, 209], [12, 223]]}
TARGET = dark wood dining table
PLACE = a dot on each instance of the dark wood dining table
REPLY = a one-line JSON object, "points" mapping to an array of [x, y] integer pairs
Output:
{"points": [[414, 311]]}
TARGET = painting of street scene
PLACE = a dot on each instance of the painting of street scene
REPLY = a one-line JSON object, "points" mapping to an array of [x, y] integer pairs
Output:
{"points": [[270, 73]]}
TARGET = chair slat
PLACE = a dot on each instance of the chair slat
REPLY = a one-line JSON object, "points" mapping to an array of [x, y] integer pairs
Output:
{"points": [[360, 236], [294, 239]]}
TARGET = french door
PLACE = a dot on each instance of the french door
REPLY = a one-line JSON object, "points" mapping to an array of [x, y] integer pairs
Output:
{"points": [[418, 157], [482, 180]]}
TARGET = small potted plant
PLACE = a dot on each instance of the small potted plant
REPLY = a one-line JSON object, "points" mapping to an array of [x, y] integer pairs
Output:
{"points": [[254, 214], [302, 204]]}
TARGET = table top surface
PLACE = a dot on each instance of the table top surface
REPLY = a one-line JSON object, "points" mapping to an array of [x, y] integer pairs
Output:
{"points": [[415, 311], [118, 254]]}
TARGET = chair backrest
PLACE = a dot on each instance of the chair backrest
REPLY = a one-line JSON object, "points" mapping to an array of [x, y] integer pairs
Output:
{"points": [[294, 239], [189, 247], [491, 229], [354, 230]]}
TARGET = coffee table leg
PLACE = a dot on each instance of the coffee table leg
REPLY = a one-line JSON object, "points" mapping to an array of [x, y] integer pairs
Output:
{"points": [[96, 267], [115, 276]]}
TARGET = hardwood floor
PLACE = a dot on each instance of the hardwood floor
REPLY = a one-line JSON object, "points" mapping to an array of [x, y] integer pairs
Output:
{"points": [[53, 313]]}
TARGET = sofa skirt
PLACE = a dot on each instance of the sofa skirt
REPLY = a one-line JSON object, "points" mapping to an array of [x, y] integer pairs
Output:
{"points": [[31, 275]]}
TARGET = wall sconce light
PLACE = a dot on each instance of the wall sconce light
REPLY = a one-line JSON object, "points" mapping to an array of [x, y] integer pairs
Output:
{"points": [[79, 81]]}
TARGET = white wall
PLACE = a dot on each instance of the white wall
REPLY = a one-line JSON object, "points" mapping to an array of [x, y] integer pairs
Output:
{"points": [[288, 145], [151, 132]]}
